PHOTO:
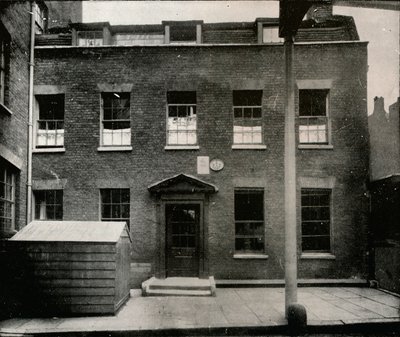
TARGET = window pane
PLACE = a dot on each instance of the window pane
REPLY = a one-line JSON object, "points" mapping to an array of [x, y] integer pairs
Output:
{"points": [[249, 205], [312, 102]]}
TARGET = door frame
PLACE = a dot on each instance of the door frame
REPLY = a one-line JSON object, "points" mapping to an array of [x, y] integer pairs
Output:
{"points": [[195, 198]]}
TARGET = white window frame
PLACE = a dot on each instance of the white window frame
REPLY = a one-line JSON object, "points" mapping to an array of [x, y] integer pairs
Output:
{"points": [[192, 108], [11, 201], [114, 147], [58, 146], [128, 220], [89, 38]]}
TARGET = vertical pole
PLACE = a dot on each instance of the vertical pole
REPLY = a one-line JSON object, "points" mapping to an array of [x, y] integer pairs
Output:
{"points": [[30, 119], [290, 181]]}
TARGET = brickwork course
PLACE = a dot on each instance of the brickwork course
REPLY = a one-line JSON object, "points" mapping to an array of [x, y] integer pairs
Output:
{"points": [[213, 71]]}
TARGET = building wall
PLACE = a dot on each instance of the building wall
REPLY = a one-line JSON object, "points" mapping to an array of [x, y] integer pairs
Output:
{"points": [[62, 12], [385, 151], [213, 72], [15, 18]]}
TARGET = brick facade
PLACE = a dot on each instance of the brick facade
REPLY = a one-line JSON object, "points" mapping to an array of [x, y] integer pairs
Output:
{"points": [[213, 72], [15, 19]]}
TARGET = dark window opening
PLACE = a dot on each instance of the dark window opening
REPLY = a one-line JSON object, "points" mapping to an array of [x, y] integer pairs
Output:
{"points": [[182, 33], [48, 205], [115, 205], [249, 221], [315, 220]]}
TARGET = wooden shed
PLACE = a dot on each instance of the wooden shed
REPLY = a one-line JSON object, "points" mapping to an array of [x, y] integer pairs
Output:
{"points": [[73, 267]]}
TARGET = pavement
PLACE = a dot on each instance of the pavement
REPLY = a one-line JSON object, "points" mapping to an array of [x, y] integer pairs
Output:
{"points": [[235, 311]]}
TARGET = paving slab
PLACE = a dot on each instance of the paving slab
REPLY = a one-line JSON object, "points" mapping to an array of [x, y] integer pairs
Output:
{"points": [[231, 308]]}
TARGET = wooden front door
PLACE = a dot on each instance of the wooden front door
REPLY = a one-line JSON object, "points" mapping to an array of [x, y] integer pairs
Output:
{"points": [[182, 248]]}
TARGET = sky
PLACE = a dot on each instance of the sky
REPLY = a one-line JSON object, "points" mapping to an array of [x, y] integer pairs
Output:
{"points": [[379, 27]]}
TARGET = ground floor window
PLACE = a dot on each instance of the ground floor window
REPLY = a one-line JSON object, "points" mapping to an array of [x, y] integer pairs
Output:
{"points": [[7, 198], [48, 205], [315, 220], [249, 221], [115, 204]]}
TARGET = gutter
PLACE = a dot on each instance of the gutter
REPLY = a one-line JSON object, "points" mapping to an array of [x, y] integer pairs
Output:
{"points": [[30, 118]]}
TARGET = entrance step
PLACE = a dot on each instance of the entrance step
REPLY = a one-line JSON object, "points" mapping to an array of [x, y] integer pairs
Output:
{"points": [[179, 286]]}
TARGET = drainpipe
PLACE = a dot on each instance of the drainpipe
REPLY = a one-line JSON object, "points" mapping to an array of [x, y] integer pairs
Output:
{"points": [[30, 117]]}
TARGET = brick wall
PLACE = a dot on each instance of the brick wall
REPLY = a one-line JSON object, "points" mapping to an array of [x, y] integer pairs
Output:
{"points": [[213, 72], [13, 128]]}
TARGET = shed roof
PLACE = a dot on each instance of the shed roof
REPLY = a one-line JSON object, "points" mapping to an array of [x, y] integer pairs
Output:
{"points": [[72, 231]]}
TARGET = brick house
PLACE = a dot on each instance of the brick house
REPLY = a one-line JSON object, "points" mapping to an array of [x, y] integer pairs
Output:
{"points": [[15, 23], [178, 129]]}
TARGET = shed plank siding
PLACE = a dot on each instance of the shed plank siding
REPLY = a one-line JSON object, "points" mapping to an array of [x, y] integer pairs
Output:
{"points": [[80, 300], [57, 247], [67, 282], [73, 257], [74, 274], [79, 291], [72, 265]]}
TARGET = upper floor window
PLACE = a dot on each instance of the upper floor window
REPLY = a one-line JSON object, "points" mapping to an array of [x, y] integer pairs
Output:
{"points": [[87, 38], [116, 119], [182, 120], [313, 116], [115, 204], [50, 121], [247, 113], [271, 34], [48, 205], [315, 220], [249, 221], [183, 34], [7, 198]]}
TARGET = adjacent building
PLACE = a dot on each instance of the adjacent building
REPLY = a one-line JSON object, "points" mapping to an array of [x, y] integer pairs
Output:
{"points": [[384, 131], [178, 129]]}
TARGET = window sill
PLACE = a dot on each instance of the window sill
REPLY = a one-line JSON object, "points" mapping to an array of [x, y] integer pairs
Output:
{"points": [[317, 256], [315, 147], [249, 147], [114, 148], [181, 147], [49, 150], [250, 256], [5, 109]]}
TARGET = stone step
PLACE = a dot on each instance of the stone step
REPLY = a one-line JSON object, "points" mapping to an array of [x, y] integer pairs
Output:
{"points": [[177, 292], [179, 286]]}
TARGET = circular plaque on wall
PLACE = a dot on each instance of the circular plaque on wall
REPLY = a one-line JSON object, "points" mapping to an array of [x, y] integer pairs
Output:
{"points": [[216, 164]]}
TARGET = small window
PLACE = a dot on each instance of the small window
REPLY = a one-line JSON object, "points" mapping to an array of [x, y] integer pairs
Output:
{"points": [[116, 119], [247, 122], [50, 123], [315, 220], [249, 221], [182, 118], [7, 198], [90, 38], [271, 34], [4, 44], [182, 34], [115, 205], [48, 205], [313, 116]]}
